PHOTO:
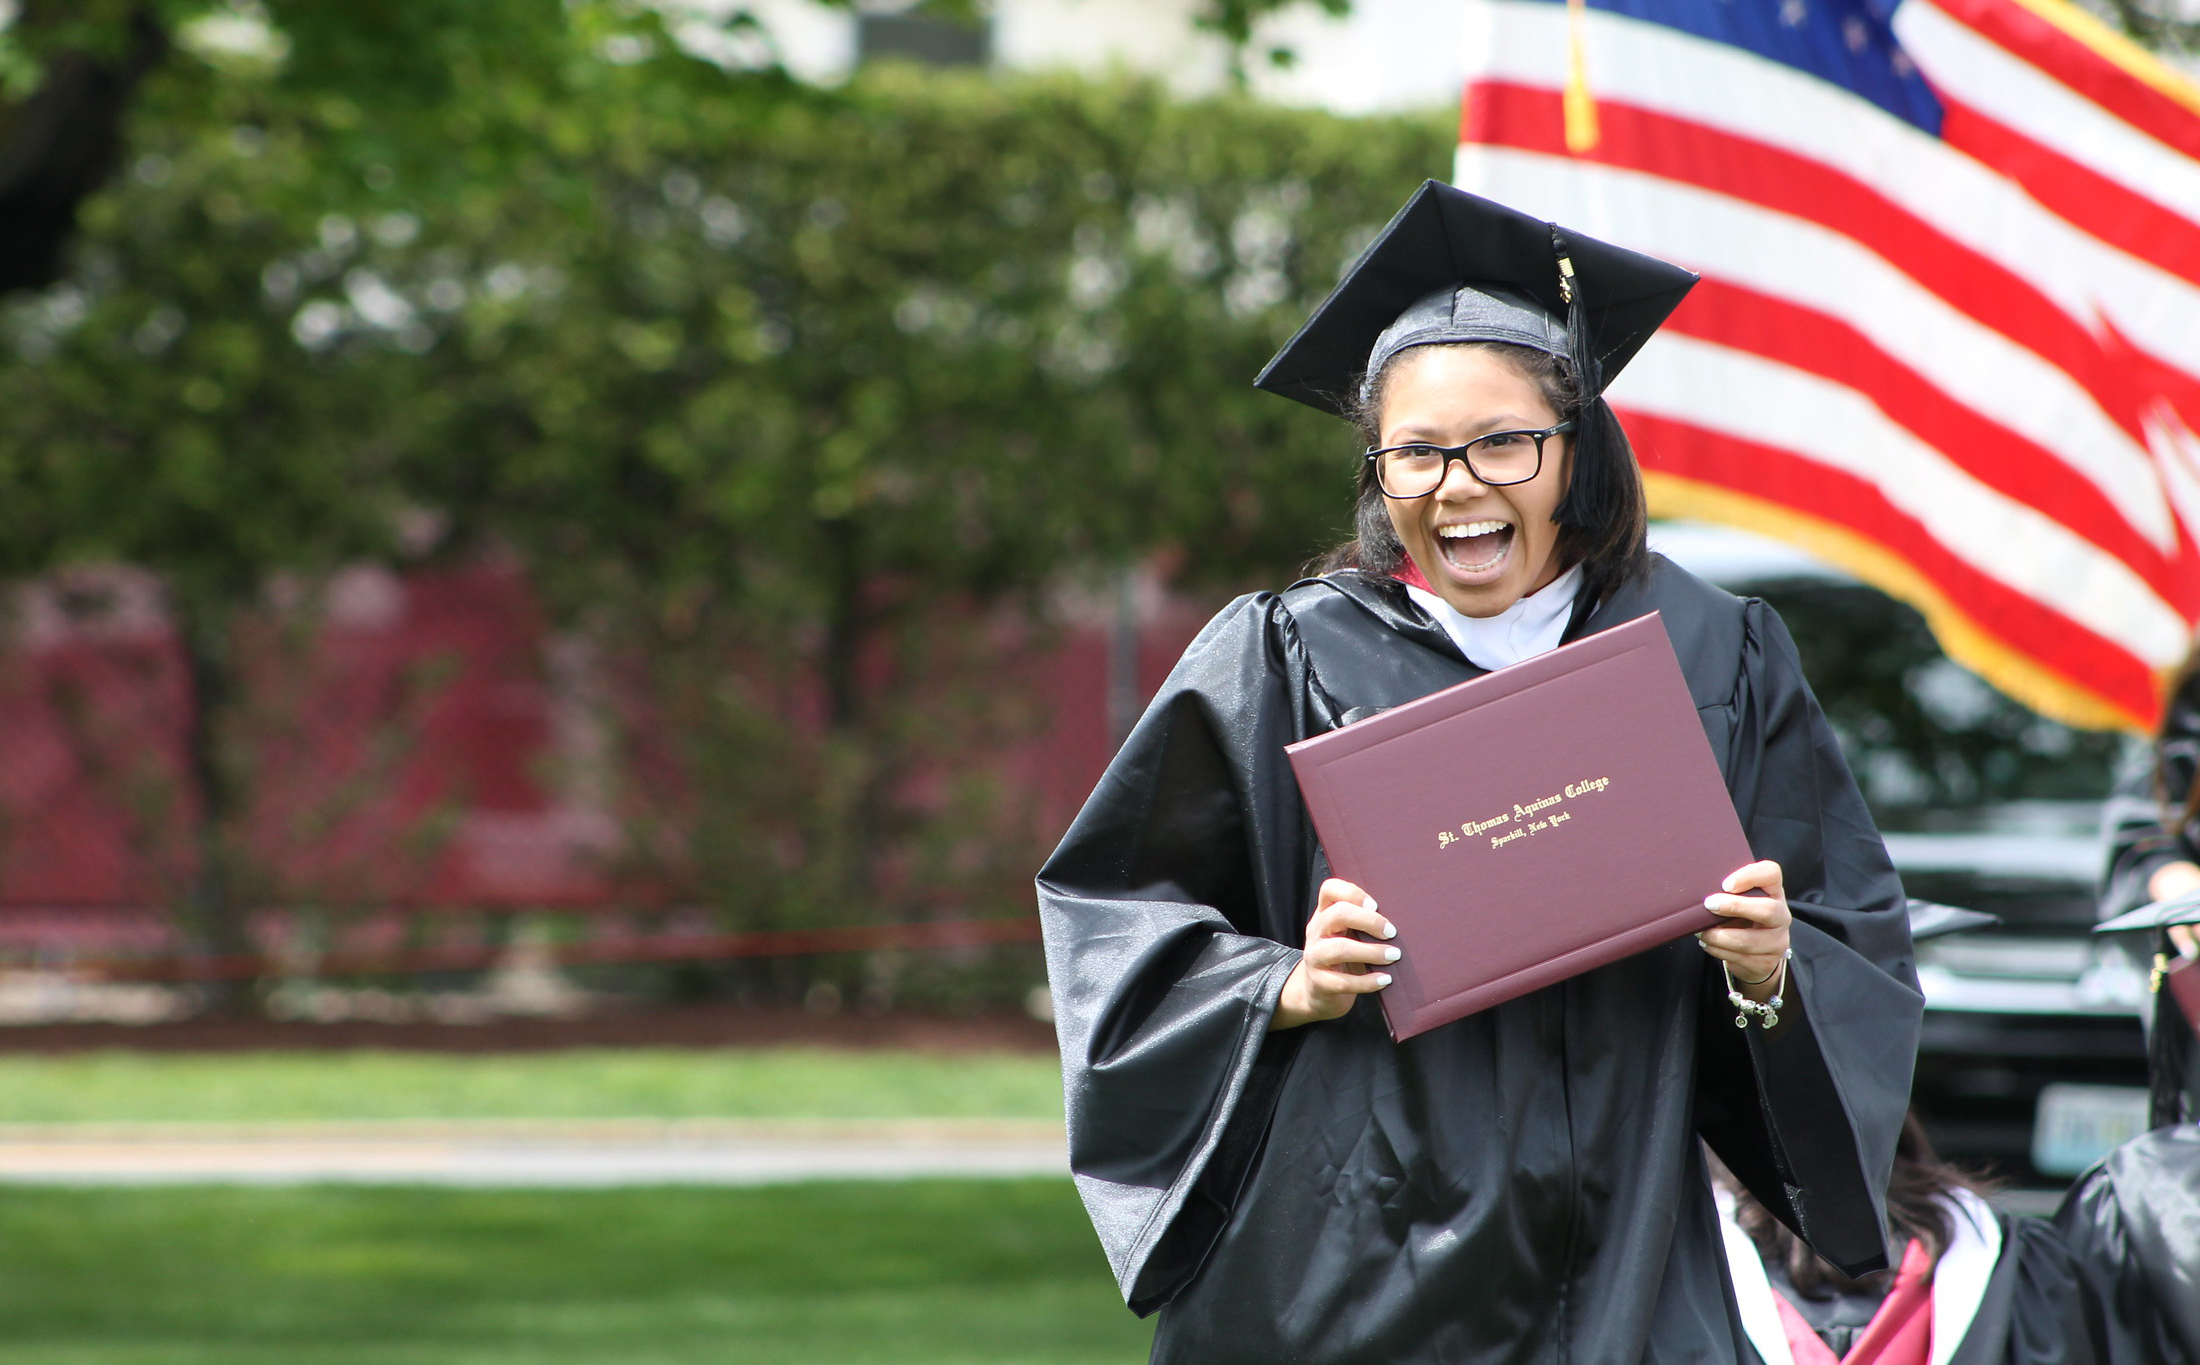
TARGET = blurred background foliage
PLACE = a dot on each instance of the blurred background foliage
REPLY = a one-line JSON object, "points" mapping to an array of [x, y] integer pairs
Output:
{"points": [[760, 383]]}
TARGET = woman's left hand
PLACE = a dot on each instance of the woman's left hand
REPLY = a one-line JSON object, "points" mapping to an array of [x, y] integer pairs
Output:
{"points": [[2170, 881], [1754, 941]]}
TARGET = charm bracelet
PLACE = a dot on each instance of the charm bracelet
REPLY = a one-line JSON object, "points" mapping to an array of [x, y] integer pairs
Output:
{"points": [[1768, 1014]]}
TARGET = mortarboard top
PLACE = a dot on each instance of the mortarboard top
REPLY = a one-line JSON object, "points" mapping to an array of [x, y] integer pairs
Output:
{"points": [[2158, 915], [1445, 238], [1931, 919]]}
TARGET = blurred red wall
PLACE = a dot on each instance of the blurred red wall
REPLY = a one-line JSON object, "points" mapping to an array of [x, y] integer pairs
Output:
{"points": [[423, 752]]}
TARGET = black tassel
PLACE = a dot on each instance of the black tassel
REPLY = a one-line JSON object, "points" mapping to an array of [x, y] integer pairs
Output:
{"points": [[2169, 1048], [1577, 321], [1589, 499]]}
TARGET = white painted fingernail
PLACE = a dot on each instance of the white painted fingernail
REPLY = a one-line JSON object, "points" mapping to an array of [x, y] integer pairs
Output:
{"points": [[1711, 902], [1392, 954], [1382, 979], [1369, 902], [1389, 930]]}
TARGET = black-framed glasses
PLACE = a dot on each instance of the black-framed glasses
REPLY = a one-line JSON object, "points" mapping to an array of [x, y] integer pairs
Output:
{"points": [[1500, 458]]}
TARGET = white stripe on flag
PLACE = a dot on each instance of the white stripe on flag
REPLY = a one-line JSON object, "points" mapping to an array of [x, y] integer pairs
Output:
{"points": [[1740, 94], [2177, 454], [1817, 268], [1982, 74], [1746, 396]]}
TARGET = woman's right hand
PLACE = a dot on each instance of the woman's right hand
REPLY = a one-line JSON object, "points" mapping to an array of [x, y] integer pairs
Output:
{"points": [[1332, 972]]}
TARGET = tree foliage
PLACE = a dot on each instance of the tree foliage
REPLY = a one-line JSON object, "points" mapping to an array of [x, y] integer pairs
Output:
{"points": [[751, 311], [1927, 738], [2164, 25], [70, 71]]}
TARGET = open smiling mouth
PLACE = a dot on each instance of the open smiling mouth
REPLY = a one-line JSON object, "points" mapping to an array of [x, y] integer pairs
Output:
{"points": [[1474, 547]]}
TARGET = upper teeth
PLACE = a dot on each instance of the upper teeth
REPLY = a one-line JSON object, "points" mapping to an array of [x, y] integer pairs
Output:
{"points": [[1471, 528]]}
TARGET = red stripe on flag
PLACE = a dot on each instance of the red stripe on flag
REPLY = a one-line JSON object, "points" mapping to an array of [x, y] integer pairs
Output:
{"points": [[2053, 642], [1730, 315], [2104, 208], [2083, 68], [1531, 119]]}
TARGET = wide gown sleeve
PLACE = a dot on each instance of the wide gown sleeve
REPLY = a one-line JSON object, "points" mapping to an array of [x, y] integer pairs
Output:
{"points": [[1806, 1115], [1163, 909]]}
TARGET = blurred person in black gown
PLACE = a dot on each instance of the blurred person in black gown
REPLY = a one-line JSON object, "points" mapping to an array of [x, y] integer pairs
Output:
{"points": [[2152, 819], [2134, 1218], [1973, 1285], [1263, 1165]]}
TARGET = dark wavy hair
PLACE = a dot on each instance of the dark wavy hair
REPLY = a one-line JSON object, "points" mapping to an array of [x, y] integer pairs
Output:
{"points": [[1914, 1210], [1602, 518]]}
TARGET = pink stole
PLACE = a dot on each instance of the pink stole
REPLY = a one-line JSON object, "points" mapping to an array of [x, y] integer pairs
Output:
{"points": [[1900, 1333]]}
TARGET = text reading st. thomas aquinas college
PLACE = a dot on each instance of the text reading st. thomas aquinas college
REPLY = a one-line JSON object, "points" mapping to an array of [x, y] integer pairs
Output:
{"points": [[1525, 818]]}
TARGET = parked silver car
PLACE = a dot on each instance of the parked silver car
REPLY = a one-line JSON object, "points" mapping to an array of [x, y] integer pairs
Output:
{"points": [[2032, 1056]]}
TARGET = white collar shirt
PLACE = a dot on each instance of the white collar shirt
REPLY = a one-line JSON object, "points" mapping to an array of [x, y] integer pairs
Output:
{"points": [[1528, 627]]}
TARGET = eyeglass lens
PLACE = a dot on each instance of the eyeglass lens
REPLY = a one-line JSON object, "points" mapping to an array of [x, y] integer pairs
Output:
{"points": [[1500, 458]]}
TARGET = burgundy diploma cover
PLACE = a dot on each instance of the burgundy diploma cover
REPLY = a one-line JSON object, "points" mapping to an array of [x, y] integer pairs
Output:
{"points": [[1530, 824], [2182, 981]]}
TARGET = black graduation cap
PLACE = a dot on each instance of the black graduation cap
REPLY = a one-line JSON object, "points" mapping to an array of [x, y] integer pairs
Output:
{"points": [[1931, 919], [1470, 269], [2158, 915]]}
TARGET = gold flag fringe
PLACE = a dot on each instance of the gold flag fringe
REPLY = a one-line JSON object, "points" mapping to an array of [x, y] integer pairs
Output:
{"points": [[2014, 672]]}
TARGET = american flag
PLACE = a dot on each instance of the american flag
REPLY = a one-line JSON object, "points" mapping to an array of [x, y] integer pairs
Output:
{"points": [[1948, 334]]}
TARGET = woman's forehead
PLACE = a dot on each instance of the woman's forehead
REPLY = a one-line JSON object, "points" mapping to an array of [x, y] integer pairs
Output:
{"points": [[1452, 386]]}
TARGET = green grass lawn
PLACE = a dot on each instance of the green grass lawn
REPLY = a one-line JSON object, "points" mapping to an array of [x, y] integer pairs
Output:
{"points": [[914, 1273], [801, 1083], [908, 1272]]}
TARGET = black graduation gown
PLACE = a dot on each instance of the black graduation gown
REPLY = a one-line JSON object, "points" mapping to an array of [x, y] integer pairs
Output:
{"points": [[2134, 1223], [1520, 1185], [2036, 1310]]}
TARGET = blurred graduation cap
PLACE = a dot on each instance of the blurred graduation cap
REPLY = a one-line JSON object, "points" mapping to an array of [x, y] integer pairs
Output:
{"points": [[1453, 267], [1931, 919], [2173, 1050], [2158, 915]]}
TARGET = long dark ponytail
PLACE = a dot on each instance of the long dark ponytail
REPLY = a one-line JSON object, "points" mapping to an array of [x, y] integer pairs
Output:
{"points": [[2172, 1051], [1916, 1209]]}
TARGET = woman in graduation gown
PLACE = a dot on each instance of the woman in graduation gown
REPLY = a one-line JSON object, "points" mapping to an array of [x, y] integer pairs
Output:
{"points": [[2152, 818], [2135, 1217], [1972, 1285], [1263, 1165]]}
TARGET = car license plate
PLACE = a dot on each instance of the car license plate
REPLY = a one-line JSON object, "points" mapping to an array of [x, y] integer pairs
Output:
{"points": [[2077, 1125]]}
